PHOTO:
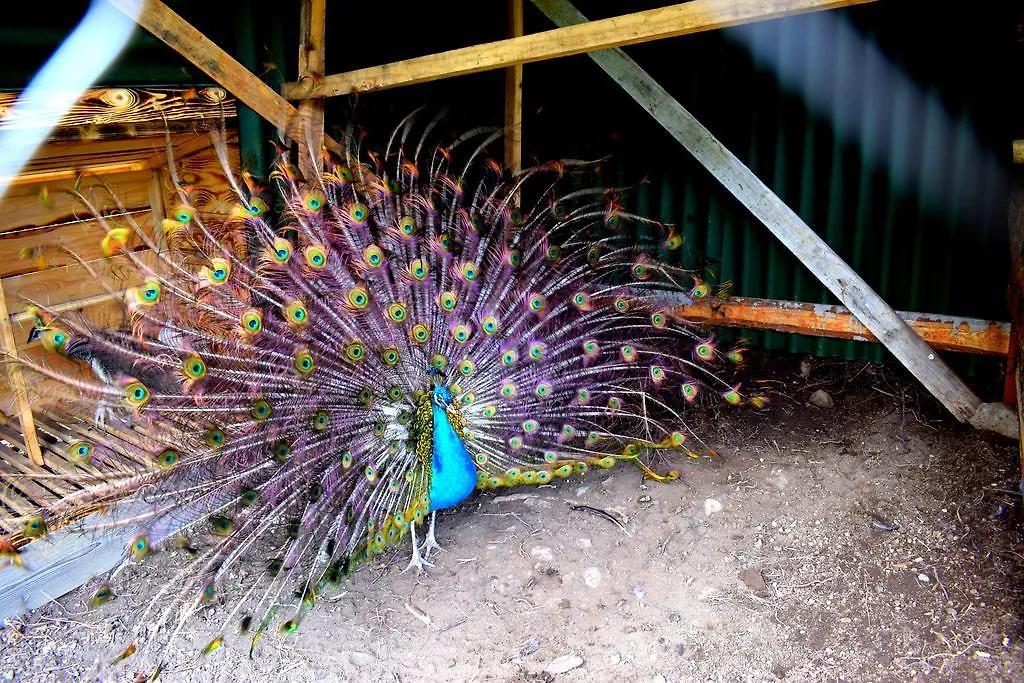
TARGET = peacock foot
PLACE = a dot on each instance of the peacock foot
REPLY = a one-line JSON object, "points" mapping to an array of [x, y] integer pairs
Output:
{"points": [[430, 544], [418, 561]]}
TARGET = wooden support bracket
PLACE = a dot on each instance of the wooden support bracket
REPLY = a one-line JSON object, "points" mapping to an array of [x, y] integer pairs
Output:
{"points": [[17, 384], [849, 287]]}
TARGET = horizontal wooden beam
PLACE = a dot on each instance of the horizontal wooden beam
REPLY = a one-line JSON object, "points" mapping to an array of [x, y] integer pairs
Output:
{"points": [[946, 333], [190, 43], [639, 27]]}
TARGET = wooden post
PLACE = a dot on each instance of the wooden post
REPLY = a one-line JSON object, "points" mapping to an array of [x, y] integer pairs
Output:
{"points": [[17, 382], [312, 17], [514, 95], [849, 287]]}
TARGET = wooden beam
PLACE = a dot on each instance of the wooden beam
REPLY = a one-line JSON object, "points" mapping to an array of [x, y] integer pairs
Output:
{"points": [[312, 18], [1018, 151], [514, 95], [639, 27], [183, 38], [849, 287], [947, 333], [17, 384]]}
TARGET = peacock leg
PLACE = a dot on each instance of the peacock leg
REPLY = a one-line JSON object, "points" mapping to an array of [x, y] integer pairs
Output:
{"points": [[417, 560], [430, 544]]}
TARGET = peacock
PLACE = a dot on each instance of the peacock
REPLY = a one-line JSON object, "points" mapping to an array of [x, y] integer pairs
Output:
{"points": [[315, 375]]}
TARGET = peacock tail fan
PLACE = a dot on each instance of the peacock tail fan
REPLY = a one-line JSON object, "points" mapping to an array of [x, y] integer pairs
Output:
{"points": [[307, 385]]}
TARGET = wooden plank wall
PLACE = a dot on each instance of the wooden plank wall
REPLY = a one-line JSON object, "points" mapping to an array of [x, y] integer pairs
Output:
{"points": [[114, 154]]}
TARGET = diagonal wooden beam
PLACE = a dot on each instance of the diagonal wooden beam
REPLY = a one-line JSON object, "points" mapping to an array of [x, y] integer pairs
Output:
{"points": [[639, 27], [186, 40], [849, 287]]}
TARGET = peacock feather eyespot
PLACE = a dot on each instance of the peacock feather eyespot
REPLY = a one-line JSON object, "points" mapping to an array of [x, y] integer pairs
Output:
{"points": [[194, 367], [257, 207], [346, 459], [758, 402], [395, 393], [167, 458], [80, 452], [673, 241], [136, 394], [149, 293], [55, 339], [536, 302], [553, 253], [296, 315], [732, 396], [476, 222], [445, 242], [344, 174], [489, 324], [543, 390], [365, 398], [705, 351], [550, 457], [313, 201], [260, 410], [370, 473], [658, 319], [439, 361], [358, 213], [581, 300], [184, 214], [537, 350], [468, 271], [316, 257], [515, 443], [514, 258], [689, 390], [467, 400], [419, 333], [509, 357], [214, 437], [700, 290], [302, 362], [407, 226], [614, 403], [103, 594], [657, 373], [447, 301], [582, 396], [530, 426], [34, 527], [280, 450], [252, 322], [612, 220], [628, 353], [568, 432], [358, 298], [222, 526], [641, 271], [508, 390], [397, 312], [281, 251], [321, 420], [489, 411], [466, 367], [140, 546], [390, 356], [218, 271], [735, 356], [622, 305], [460, 333], [418, 269], [593, 256], [373, 256]]}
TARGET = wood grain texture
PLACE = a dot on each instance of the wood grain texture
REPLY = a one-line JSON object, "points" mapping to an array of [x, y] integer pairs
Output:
{"points": [[947, 333], [514, 95], [16, 384], [639, 27], [783, 222], [128, 112], [312, 19]]}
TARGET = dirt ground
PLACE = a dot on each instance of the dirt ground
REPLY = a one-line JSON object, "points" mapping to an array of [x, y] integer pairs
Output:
{"points": [[876, 540]]}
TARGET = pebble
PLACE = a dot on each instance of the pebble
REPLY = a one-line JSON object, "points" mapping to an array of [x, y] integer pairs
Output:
{"points": [[711, 506], [821, 399], [592, 577], [542, 553], [923, 578], [560, 665]]}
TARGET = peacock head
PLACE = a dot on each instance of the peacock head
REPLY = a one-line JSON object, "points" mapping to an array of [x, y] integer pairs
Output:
{"points": [[440, 394]]}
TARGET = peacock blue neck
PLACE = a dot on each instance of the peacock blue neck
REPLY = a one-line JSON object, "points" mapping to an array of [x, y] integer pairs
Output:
{"points": [[453, 474]]}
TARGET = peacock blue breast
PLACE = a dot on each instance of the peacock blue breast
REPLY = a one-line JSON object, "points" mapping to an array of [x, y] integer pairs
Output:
{"points": [[453, 474]]}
